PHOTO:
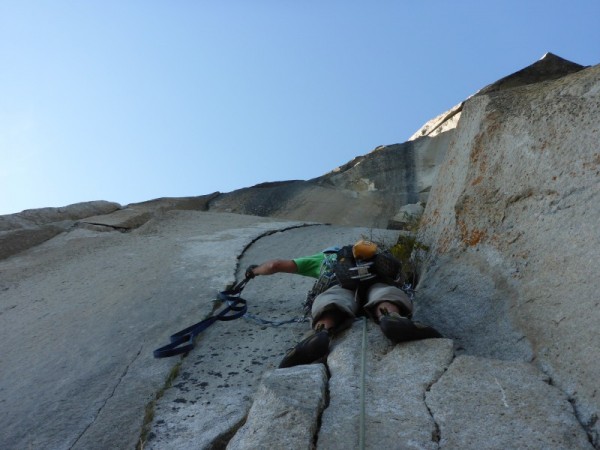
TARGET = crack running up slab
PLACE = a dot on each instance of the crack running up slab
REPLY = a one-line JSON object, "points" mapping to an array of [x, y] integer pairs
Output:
{"points": [[111, 395]]}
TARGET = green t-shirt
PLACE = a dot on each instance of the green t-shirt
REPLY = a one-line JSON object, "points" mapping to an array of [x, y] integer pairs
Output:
{"points": [[315, 265]]}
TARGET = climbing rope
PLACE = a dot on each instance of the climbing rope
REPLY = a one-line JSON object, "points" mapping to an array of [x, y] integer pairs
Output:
{"points": [[363, 364]]}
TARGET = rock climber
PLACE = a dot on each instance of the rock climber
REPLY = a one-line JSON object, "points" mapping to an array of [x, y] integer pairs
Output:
{"points": [[350, 280]]}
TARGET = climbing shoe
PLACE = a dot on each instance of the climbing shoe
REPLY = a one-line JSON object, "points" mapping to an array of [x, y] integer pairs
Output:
{"points": [[309, 350], [401, 329]]}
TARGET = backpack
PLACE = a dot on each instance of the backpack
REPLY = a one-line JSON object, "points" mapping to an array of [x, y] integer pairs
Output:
{"points": [[356, 275], [353, 274]]}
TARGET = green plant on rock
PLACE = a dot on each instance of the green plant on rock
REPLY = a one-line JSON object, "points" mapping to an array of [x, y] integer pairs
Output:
{"points": [[407, 249]]}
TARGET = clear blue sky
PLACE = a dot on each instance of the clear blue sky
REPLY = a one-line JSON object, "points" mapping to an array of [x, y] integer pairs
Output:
{"points": [[132, 100]]}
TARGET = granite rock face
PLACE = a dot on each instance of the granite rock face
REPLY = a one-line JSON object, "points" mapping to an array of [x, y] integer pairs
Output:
{"points": [[549, 67], [511, 228], [368, 191], [508, 244], [214, 393], [31, 227], [396, 379], [81, 314], [26, 229], [482, 403], [291, 402], [371, 189]]}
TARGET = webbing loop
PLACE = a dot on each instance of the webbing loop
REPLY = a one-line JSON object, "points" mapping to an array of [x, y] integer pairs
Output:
{"points": [[183, 341]]}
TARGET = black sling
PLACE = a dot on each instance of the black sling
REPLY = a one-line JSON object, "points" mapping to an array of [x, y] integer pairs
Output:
{"points": [[183, 341]]}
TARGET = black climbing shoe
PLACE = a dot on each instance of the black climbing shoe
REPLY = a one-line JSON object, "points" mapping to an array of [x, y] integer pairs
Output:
{"points": [[309, 350], [401, 329]]}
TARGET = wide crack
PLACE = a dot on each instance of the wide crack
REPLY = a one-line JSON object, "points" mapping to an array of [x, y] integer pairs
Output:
{"points": [[221, 441], [436, 434], [322, 411]]}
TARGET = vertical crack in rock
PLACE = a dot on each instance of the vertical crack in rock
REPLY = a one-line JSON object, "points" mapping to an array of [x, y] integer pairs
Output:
{"points": [[436, 435], [221, 441], [325, 406], [410, 177], [285, 411], [106, 400], [149, 413], [588, 426]]}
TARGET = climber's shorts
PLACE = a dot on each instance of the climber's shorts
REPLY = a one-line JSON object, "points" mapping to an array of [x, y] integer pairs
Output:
{"points": [[344, 301], [335, 299], [381, 292]]}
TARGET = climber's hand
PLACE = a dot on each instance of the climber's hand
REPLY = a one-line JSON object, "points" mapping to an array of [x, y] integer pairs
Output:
{"points": [[250, 271]]}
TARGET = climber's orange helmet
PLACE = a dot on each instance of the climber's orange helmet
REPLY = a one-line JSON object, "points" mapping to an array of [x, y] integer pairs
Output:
{"points": [[364, 250]]}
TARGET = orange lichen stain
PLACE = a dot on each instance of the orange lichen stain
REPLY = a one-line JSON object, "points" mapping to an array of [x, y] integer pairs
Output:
{"points": [[462, 227], [431, 218], [475, 237], [591, 165], [478, 147], [478, 155], [477, 180], [475, 154], [444, 243], [468, 236]]}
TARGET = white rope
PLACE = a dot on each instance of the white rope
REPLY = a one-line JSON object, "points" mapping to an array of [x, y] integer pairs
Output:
{"points": [[363, 364]]}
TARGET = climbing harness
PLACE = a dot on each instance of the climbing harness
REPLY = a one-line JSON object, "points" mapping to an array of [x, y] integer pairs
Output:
{"points": [[183, 341]]}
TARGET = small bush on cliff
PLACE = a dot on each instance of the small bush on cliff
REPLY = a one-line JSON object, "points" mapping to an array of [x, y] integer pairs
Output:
{"points": [[405, 249]]}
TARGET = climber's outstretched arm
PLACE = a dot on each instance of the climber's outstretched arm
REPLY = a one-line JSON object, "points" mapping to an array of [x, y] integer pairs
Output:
{"points": [[271, 267]]}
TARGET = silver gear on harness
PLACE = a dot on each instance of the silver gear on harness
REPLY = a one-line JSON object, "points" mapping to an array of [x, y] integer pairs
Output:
{"points": [[362, 271], [326, 279]]}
